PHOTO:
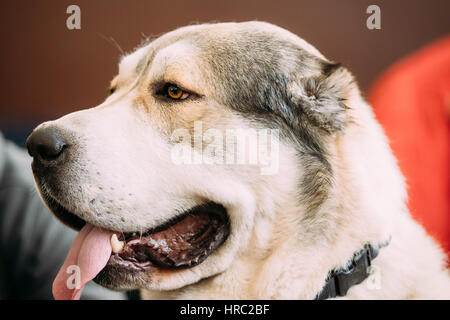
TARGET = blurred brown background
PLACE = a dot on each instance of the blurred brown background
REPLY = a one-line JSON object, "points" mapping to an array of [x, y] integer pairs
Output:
{"points": [[48, 70]]}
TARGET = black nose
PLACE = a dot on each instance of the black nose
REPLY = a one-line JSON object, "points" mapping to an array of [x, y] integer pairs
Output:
{"points": [[46, 144]]}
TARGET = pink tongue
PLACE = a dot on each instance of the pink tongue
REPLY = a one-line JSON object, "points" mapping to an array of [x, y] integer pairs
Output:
{"points": [[90, 252]]}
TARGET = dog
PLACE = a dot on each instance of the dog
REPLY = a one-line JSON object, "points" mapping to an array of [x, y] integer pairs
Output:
{"points": [[331, 214]]}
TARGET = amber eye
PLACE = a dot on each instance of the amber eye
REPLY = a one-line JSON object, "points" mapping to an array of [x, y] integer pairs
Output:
{"points": [[175, 93]]}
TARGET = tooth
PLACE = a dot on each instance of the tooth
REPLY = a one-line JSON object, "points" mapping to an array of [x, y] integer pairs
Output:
{"points": [[117, 246], [131, 242]]}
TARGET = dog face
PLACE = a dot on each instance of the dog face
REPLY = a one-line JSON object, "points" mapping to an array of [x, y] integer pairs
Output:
{"points": [[114, 165]]}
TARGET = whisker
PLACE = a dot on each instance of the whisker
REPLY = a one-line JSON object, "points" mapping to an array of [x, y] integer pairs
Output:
{"points": [[113, 42]]}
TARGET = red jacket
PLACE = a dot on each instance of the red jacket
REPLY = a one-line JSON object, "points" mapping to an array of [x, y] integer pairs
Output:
{"points": [[412, 102]]}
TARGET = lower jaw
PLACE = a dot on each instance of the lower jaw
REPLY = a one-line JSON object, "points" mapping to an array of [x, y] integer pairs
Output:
{"points": [[119, 278], [189, 239]]}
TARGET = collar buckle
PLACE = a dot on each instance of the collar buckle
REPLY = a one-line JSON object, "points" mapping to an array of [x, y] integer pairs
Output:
{"points": [[359, 268], [356, 273]]}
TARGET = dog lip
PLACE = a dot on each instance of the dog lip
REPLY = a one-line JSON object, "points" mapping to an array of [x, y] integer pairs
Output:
{"points": [[182, 242], [59, 211], [127, 270]]}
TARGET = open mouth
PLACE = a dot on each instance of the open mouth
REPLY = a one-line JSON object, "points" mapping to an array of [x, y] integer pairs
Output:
{"points": [[182, 242]]}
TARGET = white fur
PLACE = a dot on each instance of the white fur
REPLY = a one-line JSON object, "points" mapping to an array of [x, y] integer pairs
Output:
{"points": [[270, 254]]}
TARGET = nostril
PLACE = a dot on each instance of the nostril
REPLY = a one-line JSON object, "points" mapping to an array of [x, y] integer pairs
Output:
{"points": [[46, 144], [47, 152]]}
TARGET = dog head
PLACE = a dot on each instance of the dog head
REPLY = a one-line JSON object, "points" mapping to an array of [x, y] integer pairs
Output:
{"points": [[157, 155]]}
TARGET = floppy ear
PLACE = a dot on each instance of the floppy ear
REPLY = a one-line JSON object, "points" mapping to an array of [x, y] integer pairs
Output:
{"points": [[322, 98]]}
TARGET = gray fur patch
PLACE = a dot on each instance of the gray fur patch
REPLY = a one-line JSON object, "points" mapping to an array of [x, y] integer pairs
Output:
{"points": [[268, 81]]}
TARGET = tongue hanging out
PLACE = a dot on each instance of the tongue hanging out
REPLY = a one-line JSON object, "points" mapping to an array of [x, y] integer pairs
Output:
{"points": [[90, 252], [181, 243]]}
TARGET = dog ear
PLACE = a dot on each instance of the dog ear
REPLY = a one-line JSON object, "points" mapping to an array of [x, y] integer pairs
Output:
{"points": [[322, 98]]}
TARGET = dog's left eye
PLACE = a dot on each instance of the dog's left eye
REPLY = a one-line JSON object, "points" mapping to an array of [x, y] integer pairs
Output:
{"points": [[173, 92]]}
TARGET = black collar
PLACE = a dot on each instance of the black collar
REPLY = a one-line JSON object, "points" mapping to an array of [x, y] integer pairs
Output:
{"points": [[339, 281]]}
